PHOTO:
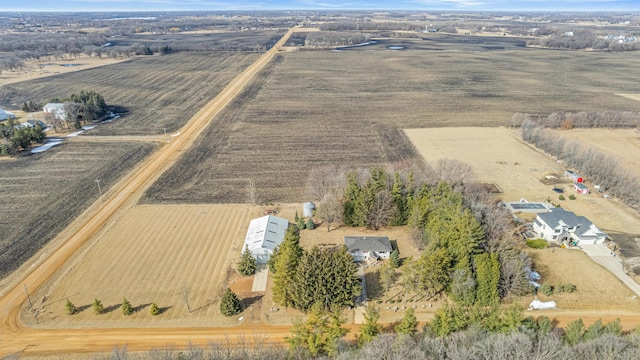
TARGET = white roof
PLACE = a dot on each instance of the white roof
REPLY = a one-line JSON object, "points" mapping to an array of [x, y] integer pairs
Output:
{"points": [[264, 235], [5, 114]]}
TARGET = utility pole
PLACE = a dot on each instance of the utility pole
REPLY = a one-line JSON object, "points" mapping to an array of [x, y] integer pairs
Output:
{"points": [[99, 189]]}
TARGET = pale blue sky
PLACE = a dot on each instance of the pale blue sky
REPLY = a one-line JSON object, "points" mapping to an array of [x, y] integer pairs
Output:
{"points": [[213, 5]]}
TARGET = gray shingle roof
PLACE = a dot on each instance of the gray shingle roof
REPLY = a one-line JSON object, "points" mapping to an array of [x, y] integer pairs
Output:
{"points": [[368, 243], [556, 215]]}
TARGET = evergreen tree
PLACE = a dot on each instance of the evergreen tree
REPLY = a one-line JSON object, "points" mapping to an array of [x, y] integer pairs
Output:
{"points": [[487, 278], [310, 225], [370, 328], [289, 254], [463, 287], [394, 259], [573, 332], [126, 307], [70, 308], [433, 269], [350, 197], [247, 264], [300, 224], [296, 218], [319, 334], [409, 324], [399, 195], [154, 310], [230, 304], [97, 307]]}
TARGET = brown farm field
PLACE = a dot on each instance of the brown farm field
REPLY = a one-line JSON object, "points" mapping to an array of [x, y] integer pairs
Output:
{"points": [[41, 194], [314, 108], [622, 143], [150, 254], [157, 92]]}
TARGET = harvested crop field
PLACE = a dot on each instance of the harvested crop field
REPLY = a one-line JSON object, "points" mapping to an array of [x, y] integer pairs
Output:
{"points": [[157, 92], [347, 107], [231, 40], [150, 254], [622, 143], [42, 193]]}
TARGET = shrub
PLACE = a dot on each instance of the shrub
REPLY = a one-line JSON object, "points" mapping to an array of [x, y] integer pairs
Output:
{"points": [[561, 197], [572, 197], [537, 243], [127, 309], [568, 287], [70, 308], [97, 307], [310, 225], [546, 289], [155, 310]]}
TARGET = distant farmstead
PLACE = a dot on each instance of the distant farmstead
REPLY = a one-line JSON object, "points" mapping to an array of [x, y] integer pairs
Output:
{"points": [[368, 248], [264, 235]]}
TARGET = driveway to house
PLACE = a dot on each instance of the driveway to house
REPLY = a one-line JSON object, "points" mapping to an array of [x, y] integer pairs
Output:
{"points": [[602, 255]]}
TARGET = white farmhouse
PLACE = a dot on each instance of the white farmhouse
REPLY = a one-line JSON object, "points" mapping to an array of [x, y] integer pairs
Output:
{"points": [[56, 109], [560, 226], [264, 235], [367, 248]]}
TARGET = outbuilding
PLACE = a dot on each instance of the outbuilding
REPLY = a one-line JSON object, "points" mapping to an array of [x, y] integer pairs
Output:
{"points": [[4, 115], [367, 248], [573, 176], [264, 235], [55, 109], [581, 188], [308, 208]]}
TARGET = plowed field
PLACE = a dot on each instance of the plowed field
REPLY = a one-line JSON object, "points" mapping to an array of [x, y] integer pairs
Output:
{"points": [[151, 254]]}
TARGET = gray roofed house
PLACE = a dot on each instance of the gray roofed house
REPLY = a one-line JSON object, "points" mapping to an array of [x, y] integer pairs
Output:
{"points": [[560, 225], [367, 248]]}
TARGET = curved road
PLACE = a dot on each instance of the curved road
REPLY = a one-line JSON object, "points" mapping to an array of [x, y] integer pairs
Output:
{"points": [[16, 338]]}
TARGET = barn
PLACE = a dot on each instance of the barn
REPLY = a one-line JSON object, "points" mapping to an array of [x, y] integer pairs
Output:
{"points": [[581, 188], [573, 176], [4, 115], [264, 235]]}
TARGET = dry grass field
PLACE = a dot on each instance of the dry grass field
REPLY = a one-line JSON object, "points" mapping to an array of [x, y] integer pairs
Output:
{"points": [[41, 194], [157, 92], [347, 107], [622, 143], [498, 156], [150, 254]]}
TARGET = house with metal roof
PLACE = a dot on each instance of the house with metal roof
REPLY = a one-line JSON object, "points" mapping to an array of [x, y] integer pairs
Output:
{"points": [[264, 235], [562, 226], [368, 248]]}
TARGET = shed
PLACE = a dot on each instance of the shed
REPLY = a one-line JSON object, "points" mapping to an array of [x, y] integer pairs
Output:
{"points": [[4, 115], [366, 248], [581, 188], [573, 176], [307, 209], [264, 235]]}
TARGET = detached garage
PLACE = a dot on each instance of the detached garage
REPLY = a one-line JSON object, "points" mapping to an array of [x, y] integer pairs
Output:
{"points": [[264, 235]]}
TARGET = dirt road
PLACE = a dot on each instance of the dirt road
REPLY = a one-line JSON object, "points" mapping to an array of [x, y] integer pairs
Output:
{"points": [[15, 338]]}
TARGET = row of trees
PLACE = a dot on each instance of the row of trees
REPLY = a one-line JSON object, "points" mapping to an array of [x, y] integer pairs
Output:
{"points": [[603, 169], [327, 277], [580, 39], [334, 38], [98, 308], [583, 119], [16, 138]]}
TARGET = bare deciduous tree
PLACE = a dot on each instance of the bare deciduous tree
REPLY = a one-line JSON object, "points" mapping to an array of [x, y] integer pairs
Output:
{"points": [[329, 211]]}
